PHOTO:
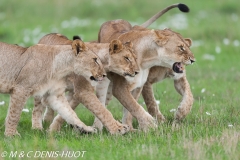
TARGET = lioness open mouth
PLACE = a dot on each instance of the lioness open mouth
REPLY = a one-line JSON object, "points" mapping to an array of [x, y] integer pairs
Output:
{"points": [[178, 67]]}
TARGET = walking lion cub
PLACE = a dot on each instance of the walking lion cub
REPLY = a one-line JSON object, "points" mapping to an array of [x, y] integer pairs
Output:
{"points": [[40, 71]]}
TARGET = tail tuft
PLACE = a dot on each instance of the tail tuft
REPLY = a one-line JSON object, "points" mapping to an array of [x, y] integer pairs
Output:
{"points": [[76, 37], [183, 7]]}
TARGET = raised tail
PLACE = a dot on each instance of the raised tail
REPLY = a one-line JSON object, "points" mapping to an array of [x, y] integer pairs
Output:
{"points": [[181, 7]]}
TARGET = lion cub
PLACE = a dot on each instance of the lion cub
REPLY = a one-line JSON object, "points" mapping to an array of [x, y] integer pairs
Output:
{"points": [[116, 57], [41, 71]]}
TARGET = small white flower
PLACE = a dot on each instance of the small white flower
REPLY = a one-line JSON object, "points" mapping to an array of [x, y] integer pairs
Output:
{"points": [[236, 43], [209, 57], [173, 110], [25, 110], [158, 102], [230, 125], [226, 41], [203, 90], [207, 113], [2, 103], [218, 50]]}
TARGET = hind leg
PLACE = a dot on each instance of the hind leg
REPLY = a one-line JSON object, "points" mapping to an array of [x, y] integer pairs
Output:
{"points": [[18, 99], [151, 104], [37, 113]]}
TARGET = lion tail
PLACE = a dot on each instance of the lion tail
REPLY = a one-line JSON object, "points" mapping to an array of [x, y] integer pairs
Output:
{"points": [[181, 7]]}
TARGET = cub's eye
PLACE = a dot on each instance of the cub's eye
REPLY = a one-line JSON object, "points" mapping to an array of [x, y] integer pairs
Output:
{"points": [[95, 60], [127, 59], [182, 48]]}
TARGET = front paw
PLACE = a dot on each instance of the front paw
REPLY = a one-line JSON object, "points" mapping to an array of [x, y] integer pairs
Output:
{"points": [[119, 129], [160, 118], [147, 122], [85, 129], [98, 124]]}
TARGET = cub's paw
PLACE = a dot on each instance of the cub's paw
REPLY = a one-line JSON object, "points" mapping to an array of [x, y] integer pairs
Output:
{"points": [[98, 124], [37, 127], [160, 118], [147, 122], [11, 133], [119, 129], [85, 129]]}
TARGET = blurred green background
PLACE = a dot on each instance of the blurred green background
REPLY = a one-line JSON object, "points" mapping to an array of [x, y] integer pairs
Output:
{"points": [[210, 131]]}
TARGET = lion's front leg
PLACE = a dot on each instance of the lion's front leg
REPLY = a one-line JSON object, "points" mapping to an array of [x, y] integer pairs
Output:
{"points": [[127, 116], [122, 93], [18, 99], [58, 121], [101, 92], [59, 103], [150, 102], [85, 93], [183, 88]]}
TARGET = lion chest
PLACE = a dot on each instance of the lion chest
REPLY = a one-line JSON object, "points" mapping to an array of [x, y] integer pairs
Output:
{"points": [[139, 79]]}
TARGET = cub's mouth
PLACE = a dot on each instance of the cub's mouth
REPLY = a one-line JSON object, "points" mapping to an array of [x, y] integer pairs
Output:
{"points": [[178, 67], [97, 78]]}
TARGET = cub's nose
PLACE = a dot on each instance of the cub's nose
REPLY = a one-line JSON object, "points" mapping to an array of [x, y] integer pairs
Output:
{"points": [[136, 73]]}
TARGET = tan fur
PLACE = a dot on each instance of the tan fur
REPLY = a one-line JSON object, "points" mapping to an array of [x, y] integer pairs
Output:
{"points": [[40, 71], [116, 57], [160, 48], [113, 29]]}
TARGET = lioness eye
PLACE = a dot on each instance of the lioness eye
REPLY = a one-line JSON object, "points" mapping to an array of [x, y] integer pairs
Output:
{"points": [[95, 60], [182, 48], [127, 59]]}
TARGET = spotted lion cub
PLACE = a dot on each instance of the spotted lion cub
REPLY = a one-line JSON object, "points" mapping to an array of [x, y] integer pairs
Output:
{"points": [[116, 57]]}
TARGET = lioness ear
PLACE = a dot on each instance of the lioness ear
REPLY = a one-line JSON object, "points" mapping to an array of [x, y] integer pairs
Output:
{"points": [[129, 44], [188, 41], [161, 39], [78, 46], [115, 46]]}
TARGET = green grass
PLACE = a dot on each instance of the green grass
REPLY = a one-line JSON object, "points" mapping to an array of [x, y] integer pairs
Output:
{"points": [[200, 136]]}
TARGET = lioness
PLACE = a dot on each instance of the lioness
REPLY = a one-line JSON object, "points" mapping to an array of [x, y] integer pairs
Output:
{"points": [[40, 71], [160, 54], [116, 57]]}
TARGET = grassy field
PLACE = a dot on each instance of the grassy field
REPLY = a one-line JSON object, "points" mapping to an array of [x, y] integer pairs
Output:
{"points": [[210, 131]]}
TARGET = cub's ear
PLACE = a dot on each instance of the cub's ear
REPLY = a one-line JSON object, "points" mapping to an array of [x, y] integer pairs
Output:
{"points": [[161, 39], [78, 46], [188, 41], [115, 46], [128, 44]]}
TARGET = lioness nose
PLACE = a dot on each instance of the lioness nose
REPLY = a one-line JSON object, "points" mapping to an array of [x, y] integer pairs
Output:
{"points": [[136, 73], [192, 61]]}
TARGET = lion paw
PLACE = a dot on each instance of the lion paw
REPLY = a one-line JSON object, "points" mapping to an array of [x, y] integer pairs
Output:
{"points": [[11, 133], [160, 118], [145, 123], [120, 129], [85, 129], [98, 124]]}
